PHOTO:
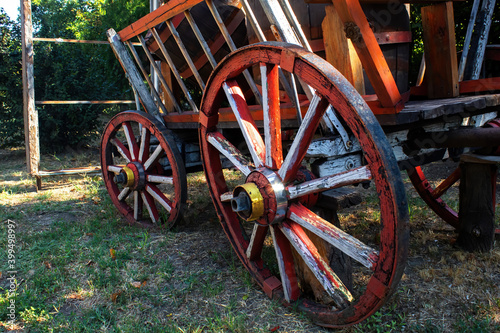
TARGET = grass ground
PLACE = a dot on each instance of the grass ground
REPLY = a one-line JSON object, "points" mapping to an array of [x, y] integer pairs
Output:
{"points": [[80, 268]]}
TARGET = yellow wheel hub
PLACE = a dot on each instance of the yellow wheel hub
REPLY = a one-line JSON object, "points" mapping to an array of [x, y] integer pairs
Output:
{"points": [[248, 202], [130, 176]]}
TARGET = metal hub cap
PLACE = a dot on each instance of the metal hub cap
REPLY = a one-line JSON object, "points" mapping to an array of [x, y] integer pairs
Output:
{"points": [[261, 199], [132, 175]]}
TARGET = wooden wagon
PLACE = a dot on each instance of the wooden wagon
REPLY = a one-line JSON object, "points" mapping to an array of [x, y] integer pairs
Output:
{"points": [[247, 90]]}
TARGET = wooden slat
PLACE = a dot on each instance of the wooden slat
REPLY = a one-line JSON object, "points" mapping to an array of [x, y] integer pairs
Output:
{"points": [[165, 12], [175, 73], [231, 23], [440, 51]]}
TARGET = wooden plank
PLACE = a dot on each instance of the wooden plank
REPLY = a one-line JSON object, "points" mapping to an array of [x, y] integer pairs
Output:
{"points": [[440, 50], [31, 134], [416, 111], [339, 50], [165, 12], [369, 52]]}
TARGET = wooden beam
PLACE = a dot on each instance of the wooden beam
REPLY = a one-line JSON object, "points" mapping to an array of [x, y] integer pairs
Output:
{"points": [[440, 50], [339, 50], [30, 113], [165, 12], [133, 75], [369, 51], [481, 85]]}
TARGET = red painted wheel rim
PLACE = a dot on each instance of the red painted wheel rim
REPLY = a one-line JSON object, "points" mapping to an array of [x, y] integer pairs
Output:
{"points": [[426, 191], [432, 195], [154, 196], [334, 89]]}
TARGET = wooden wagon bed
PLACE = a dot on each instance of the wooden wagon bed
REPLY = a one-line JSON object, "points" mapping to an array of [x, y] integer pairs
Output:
{"points": [[426, 110]]}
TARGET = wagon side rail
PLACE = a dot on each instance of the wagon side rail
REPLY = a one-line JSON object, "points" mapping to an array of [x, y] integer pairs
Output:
{"points": [[172, 14]]}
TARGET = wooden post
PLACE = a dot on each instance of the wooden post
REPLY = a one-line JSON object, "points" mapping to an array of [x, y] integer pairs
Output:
{"points": [[29, 111], [339, 50], [359, 31], [440, 50], [476, 216]]}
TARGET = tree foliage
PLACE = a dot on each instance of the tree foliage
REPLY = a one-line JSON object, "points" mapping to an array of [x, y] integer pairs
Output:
{"points": [[11, 99], [65, 71]]}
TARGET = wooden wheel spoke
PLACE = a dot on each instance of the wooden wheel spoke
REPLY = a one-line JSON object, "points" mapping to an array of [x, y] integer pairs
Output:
{"points": [[132, 143], [303, 138], [318, 266], [256, 244], [122, 149], [272, 115], [446, 184], [124, 194], [285, 264], [137, 206], [350, 177], [160, 179], [351, 246], [226, 148], [245, 121], [114, 168], [159, 196], [150, 205], [144, 148], [153, 158]]}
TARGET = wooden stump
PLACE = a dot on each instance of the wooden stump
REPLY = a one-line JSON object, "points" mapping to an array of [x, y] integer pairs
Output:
{"points": [[477, 205]]}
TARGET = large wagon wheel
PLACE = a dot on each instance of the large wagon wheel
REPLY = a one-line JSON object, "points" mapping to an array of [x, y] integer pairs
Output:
{"points": [[142, 169], [272, 199]]}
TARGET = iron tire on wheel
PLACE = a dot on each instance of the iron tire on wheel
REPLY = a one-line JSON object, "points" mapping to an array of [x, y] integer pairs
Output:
{"points": [[136, 181], [280, 213]]}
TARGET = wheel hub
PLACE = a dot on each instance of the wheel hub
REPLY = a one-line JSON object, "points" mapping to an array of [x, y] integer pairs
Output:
{"points": [[261, 199], [132, 175]]}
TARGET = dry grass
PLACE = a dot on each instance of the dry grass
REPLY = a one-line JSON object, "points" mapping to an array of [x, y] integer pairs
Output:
{"points": [[189, 280]]}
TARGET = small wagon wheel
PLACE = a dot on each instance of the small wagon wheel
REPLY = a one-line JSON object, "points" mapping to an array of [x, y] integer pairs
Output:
{"points": [[142, 169], [433, 196], [272, 233]]}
